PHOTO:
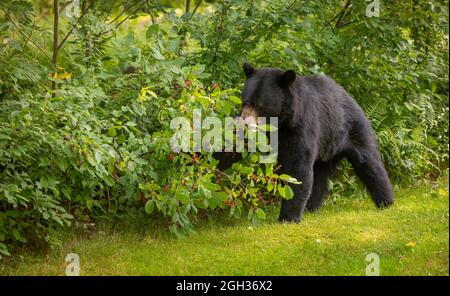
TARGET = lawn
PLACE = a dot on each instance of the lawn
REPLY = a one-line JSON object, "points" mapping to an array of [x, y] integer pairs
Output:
{"points": [[411, 238]]}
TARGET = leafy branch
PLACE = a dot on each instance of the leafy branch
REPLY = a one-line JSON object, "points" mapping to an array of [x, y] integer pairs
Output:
{"points": [[341, 17], [131, 14], [25, 35], [83, 13]]}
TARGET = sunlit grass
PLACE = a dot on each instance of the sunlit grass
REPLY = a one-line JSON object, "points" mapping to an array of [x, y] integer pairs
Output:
{"points": [[411, 238]]}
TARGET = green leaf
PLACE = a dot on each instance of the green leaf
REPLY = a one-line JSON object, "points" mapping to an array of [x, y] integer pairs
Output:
{"points": [[260, 214], [250, 214], [89, 204], [235, 100], [205, 193], [183, 197], [4, 250], [157, 55], [152, 31], [289, 179], [149, 206], [62, 164], [221, 196], [281, 190], [109, 180], [112, 132], [288, 192]]}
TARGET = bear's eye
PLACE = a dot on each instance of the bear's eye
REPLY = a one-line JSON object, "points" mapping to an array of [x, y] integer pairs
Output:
{"points": [[259, 105]]}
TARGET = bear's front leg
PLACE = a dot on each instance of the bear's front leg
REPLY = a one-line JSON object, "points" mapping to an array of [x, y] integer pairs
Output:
{"points": [[292, 209]]}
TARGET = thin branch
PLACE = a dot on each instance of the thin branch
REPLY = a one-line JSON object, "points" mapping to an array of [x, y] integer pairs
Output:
{"points": [[126, 10], [65, 5], [197, 5], [73, 28], [346, 24], [36, 20], [128, 16], [24, 35], [152, 17], [344, 13], [340, 17], [292, 4], [31, 33], [329, 22]]}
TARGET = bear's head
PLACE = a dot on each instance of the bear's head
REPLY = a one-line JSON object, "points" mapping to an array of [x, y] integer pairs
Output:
{"points": [[266, 93]]}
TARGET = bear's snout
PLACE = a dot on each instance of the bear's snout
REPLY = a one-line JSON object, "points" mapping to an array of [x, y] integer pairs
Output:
{"points": [[249, 115]]}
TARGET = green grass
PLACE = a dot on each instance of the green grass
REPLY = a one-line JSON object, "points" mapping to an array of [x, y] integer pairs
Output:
{"points": [[412, 238]]}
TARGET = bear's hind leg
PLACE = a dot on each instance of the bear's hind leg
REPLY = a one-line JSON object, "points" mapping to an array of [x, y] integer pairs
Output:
{"points": [[369, 167], [322, 171]]}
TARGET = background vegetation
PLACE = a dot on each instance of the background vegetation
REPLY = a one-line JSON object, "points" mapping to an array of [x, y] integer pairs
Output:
{"points": [[86, 99]]}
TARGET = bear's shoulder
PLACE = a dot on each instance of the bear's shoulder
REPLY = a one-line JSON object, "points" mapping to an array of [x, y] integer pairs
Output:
{"points": [[321, 83], [319, 79]]}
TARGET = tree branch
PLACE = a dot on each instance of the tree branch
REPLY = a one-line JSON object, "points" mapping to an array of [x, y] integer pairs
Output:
{"points": [[188, 6], [346, 24], [330, 21], [85, 10], [340, 16], [65, 5], [197, 5], [343, 14], [25, 36], [128, 16], [126, 10], [84, 6]]}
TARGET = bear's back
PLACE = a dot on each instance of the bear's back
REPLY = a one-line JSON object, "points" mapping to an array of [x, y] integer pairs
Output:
{"points": [[328, 105]]}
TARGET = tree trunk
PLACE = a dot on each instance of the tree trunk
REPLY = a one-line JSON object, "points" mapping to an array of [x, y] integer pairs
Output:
{"points": [[55, 40], [84, 6], [188, 5]]}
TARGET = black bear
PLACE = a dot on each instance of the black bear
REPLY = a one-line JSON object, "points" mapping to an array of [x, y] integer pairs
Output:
{"points": [[319, 123]]}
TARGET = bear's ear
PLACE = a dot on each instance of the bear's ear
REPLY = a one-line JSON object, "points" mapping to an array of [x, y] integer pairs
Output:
{"points": [[248, 69], [287, 78]]}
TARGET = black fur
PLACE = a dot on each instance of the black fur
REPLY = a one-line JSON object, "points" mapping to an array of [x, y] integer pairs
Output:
{"points": [[319, 124]]}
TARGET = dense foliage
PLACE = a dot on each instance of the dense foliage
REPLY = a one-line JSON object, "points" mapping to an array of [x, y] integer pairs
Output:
{"points": [[84, 118]]}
